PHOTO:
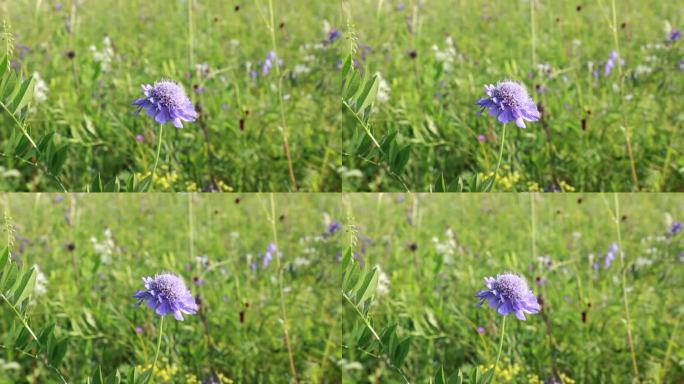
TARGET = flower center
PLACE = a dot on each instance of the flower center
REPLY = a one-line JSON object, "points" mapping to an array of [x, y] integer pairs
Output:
{"points": [[511, 93], [168, 94], [511, 286], [169, 287]]}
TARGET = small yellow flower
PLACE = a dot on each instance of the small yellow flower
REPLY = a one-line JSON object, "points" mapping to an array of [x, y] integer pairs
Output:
{"points": [[565, 187], [190, 186], [223, 187]]}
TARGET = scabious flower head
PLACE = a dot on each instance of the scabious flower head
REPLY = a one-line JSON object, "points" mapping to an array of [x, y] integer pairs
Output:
{"points": [[675, 228], [675, 35], [508, 293], [509, 101], [166, 101], [167, 294]]}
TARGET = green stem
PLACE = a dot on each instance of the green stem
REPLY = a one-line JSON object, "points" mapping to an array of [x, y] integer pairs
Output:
{"points": [[281, 107], [623, 268], [159, 340], [534, 35], [498, 163], [498, 354], [159, 143], [283, 313]]}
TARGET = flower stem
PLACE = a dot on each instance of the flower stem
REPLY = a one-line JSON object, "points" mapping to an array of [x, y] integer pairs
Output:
{"points": [[498, 354], [625, 302], [159, 143], [283, 312], [159, 339], [498, 163]]}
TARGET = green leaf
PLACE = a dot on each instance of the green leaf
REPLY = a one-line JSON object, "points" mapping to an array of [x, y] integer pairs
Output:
{"points": [[58, 160], [4, 257], [23, 96], [401, 351], [367, 288], [401, 160], [370, 91], [58, 352], [24, 286]]}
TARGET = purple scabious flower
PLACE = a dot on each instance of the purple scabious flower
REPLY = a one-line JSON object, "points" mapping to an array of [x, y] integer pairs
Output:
{"points": [[509, 293], [675, 228], [509, 101], [675, 35], [166, 101], [167, 294]]}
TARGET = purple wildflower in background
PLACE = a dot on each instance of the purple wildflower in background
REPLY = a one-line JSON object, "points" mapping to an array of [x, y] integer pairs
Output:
{"points": [[166, 101], [610, 256], [268, 256], [675, 35], [167, 294], [481, 330], [509, 101], [481, 138], [333, 35], [509, 293], [675, 228], [610, 64], [271, 60], [139, 330], [332, 228], [139, 138]]}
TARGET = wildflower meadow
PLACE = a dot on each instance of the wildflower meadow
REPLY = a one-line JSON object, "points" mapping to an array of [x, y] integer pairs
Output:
{"points": [[513, 96], [386, 288], [514, 288], [179, 95], [169, 289]]}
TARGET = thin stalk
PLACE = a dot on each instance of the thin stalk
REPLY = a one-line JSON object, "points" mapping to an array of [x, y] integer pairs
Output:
{"points": [[534, 35], [159, 340], [628, 142], [501, 340], [628, 321], [668, 352], [159, 143], [283, 313], [281, 107], [498, 163], [191, 36]]}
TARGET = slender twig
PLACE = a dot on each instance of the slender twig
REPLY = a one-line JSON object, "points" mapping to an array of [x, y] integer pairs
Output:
{"points": [[534, 35], [281, 107], [283, 313], [159, 340], [498, 163], [159, 144], [628, 321], [501, 340]]}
